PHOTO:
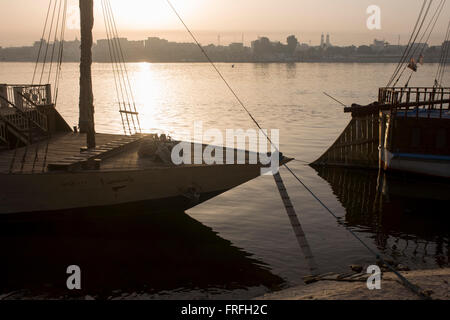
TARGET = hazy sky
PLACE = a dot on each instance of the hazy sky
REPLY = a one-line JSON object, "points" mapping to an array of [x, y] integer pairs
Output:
{"points": [[21, 21]]}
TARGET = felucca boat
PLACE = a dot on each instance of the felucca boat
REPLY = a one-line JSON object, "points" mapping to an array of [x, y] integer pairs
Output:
{"points": [[46, 166]]}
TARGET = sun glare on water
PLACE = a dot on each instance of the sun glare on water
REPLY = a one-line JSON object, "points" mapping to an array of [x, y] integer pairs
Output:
{"points": [[148, 90]]}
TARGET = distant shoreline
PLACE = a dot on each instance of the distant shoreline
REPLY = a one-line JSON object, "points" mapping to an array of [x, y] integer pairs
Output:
{"points": [[361, 61]]}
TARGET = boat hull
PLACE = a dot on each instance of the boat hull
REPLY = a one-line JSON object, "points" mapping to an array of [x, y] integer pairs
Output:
{"points": [[180, 187], [436, 166], [415, 145]]}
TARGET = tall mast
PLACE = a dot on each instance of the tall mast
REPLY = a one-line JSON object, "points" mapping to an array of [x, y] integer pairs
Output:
{"points": [[86, 120]]}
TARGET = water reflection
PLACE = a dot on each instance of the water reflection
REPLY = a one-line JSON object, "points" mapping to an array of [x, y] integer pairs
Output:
{"points": [[406, 215], [124, 250]]}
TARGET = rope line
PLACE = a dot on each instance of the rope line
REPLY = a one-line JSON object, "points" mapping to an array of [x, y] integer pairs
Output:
{"points": [[219, 73], [124, 67], [42, 40], [48, 42], [122, 83], [54, 41], [405, 281], [431, 23], [112, 54], [404, 65], [61, 51], [407, 48], [443, 58]]}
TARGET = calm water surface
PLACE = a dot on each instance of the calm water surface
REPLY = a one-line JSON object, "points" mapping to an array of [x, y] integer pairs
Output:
{"points": [[241, 243]]}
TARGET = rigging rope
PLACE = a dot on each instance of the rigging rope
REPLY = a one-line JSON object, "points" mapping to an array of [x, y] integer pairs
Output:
{"points": [[443, 59], [60, 55], [55, 22], [407, 48], [435, 16], [432, 24], [116, 73], [124, 66], [124, 92], [54, 41], [404, 281], [220, 74], [412, 44], [42, 40], [48, 43]]}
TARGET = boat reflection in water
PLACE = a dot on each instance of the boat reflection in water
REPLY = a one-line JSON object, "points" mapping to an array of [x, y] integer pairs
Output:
{"points": [[407, 216], [124, 255]]}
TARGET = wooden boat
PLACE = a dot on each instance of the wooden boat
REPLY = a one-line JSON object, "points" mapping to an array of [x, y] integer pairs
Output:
{"points": [[407, 129], [416, 136], [47, 166]]}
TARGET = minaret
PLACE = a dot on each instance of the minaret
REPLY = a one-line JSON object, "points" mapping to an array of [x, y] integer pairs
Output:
{"points": [[86, 119], [328, 44], [322, 41]]}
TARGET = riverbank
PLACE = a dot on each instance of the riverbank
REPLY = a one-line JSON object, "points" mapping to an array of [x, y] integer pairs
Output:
{"points": [[434, 283]]}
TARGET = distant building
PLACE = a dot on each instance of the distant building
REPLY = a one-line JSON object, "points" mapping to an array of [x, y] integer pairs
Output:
{"points": [[155, 42], [378, 45], [322, 41], [328, 43], [301, 47], [236, 47]]}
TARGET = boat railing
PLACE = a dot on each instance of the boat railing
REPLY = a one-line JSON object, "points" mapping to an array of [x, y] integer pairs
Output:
{"points": [[17, 124], [21, 103], [32, 112], [40, 95], [430, 102]]}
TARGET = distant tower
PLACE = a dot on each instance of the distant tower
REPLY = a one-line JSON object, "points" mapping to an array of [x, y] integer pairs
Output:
{"points": [[322, 41], [328, 41]]}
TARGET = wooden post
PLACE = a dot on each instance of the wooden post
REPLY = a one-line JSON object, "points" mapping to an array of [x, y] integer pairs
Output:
{"points": [[4, 94], [48, 94], [86, 120]]}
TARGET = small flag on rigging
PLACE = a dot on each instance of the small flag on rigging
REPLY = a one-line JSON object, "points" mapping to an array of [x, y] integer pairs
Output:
{"points": [[412, 65]]}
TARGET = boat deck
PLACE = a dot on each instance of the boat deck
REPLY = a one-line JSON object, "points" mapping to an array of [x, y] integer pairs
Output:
{"points": [[64, 150]]}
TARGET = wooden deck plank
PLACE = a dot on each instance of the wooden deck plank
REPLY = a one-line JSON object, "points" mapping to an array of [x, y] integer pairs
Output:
{"points": [[61, 148]]}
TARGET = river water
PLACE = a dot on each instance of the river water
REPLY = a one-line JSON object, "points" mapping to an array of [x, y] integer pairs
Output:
{"points": [[239, 244]]}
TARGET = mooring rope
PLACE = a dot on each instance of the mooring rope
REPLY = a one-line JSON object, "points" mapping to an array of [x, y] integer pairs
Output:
{"points": [[404, 281]]}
